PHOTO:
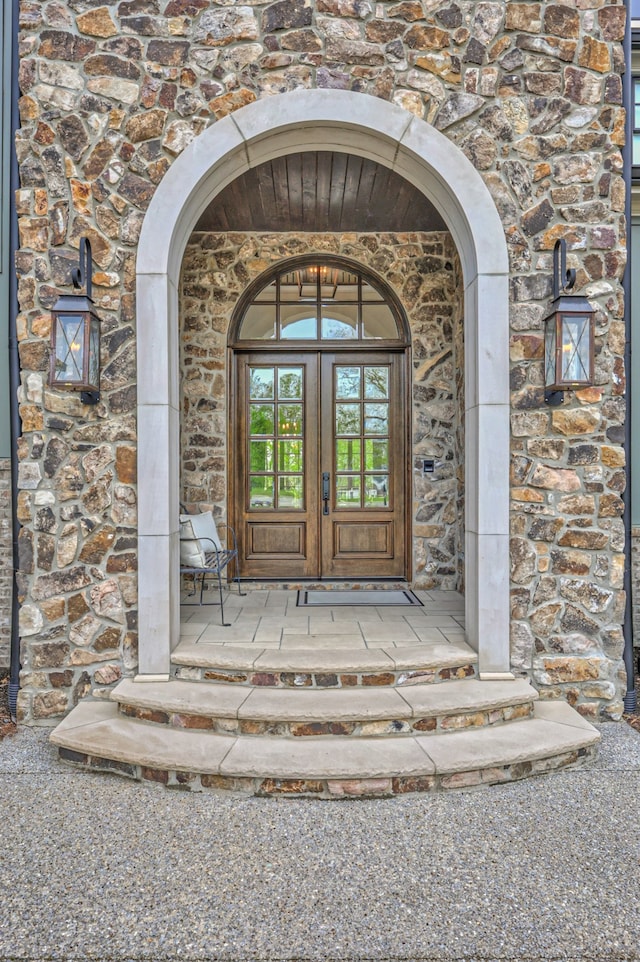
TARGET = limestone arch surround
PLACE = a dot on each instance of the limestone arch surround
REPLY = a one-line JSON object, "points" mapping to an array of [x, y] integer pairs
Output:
{"points": [[372, 128]]}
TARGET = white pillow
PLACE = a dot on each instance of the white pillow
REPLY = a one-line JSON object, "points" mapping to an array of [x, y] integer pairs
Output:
{"points": [[191, 549], [204, 527]]}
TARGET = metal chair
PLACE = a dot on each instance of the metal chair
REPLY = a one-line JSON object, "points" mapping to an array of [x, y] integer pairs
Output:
{"points": [[203, 555]]}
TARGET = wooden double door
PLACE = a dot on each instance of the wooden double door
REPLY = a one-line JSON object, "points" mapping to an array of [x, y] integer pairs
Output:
{"points": [[319, 464]]}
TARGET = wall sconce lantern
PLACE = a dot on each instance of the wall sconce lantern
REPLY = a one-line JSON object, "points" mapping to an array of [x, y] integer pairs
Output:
{"points": [[568, 334], [75, 336]]}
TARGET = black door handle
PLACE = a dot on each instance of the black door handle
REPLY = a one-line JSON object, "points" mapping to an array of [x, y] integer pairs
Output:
{"points": [[325, 492]]}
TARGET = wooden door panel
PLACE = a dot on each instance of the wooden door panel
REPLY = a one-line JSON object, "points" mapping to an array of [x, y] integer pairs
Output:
{"points": [[351, 539], [363, 450], [275, 461], [347, 419], [276, 540]]}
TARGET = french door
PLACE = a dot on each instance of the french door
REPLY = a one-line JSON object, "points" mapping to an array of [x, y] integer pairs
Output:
{"points": [[319, 464]]}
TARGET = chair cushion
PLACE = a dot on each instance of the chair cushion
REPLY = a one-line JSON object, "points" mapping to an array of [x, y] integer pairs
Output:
{"points": [[191, 548], [204, 527]]}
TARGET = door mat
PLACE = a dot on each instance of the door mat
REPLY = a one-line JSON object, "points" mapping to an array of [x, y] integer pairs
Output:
{"points": [[374, 598]]}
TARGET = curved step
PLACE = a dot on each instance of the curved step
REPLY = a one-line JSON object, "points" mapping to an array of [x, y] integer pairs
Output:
{"points": [[324, 668], [361, 712], [96, 737]]}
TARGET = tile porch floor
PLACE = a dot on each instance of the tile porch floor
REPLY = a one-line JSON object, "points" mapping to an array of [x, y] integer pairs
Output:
{"points": [[269, 618]]}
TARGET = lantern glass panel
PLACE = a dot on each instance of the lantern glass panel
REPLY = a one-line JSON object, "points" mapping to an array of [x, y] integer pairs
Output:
{"points": [[94, 353], [69, 360], [575, 348], [550, 352]]}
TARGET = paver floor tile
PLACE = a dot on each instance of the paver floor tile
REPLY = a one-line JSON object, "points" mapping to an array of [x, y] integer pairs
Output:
{"points": [[321, 641], [388, 632], [267, 617]]}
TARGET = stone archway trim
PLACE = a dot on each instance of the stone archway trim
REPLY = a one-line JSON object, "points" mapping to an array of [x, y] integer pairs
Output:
{"points": [[368, 127]]}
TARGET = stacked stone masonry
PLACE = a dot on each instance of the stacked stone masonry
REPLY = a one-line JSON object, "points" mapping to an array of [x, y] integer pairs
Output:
{"points": [[6, 561], [331, 788], [635, 575], [111, 94]]}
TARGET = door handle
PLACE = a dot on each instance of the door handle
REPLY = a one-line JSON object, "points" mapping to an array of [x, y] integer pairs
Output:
{"points": [[325, 492]]}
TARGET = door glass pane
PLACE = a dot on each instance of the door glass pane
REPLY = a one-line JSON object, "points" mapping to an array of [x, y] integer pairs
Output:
{"points": [[339, 322], [348, 383], [376, 419], [298, 321], [267, 293], [347, 455], [376, 382], [289, 419], [369, 293], [261, 383], [378, 321], [261, 419], [259, 322], [275, 443], [376, 491], [290, 492], [348, 419], [376, 454], [290, 383], [347, 289], [261, 455], [290, 456], [348, 491], [261, 491], [290, 287]]}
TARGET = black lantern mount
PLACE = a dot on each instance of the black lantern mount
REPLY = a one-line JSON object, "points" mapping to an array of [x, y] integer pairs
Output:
{"points": [[568, 334], [75, 335]]}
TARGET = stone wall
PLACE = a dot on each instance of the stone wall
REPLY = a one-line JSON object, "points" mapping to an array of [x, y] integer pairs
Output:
{"points": [[424, 272], [635, 581], [112, 93], [6, 561]]}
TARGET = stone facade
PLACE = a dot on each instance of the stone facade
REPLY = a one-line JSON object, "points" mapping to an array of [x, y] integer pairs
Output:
{"points": [[6, 561], [635, 579], [111, 94], [424, 272]]}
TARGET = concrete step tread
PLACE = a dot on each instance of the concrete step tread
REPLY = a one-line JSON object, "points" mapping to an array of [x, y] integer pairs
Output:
{"points": [[96, 729], [313, 704], [249, 658]]}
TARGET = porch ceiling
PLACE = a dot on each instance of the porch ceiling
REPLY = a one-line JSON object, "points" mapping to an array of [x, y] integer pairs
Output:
{"points": [[320, 191]]}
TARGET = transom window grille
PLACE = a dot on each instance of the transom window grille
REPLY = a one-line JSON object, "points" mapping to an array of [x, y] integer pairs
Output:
{"points": [[319, 302]]}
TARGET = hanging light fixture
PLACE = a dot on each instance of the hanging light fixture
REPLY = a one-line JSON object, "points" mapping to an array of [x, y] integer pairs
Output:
{"points": [[75, 335], [569, 334], [310, 277]]}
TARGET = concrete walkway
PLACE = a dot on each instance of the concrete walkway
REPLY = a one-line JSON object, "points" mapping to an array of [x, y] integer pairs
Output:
{"points": [[99, 868]]}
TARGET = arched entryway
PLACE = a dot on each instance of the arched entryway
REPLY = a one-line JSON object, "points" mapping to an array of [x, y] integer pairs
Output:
{"points": [[325, 120], [318, 425]]}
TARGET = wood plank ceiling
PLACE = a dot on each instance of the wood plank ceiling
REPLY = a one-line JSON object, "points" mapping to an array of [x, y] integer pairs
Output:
{"points": [[320, 191]]}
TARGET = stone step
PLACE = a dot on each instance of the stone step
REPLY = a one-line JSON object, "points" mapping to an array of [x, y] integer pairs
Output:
{"points": [[95, 736], [324, 668], [361, 712]]}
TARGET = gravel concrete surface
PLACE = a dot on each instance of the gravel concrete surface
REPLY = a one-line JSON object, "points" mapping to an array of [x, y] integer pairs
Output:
{"points": [[94, 867]]}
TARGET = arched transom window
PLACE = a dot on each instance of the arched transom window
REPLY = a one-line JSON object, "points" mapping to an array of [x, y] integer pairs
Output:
{"points": [[319, 300]]}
